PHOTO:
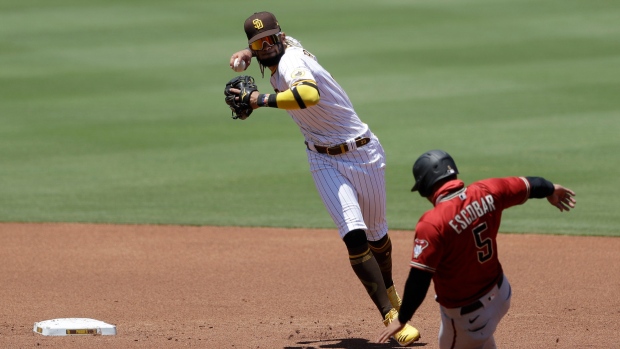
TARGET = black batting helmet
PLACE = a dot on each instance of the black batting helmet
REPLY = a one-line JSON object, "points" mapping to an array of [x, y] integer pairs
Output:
{"points": [[430, 168]]}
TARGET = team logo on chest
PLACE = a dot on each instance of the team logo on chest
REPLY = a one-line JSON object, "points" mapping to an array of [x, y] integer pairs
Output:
{"points": [[420, 245]]}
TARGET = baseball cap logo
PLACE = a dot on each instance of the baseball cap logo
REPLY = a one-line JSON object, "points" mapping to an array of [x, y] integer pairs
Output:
{"points": [[258, 24]]}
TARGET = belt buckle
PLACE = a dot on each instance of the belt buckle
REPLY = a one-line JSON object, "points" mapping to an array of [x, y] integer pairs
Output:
{"points": [[342, 146]]}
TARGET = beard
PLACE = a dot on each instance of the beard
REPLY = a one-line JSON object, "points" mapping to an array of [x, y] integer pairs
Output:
{"points": [[270, 62]]}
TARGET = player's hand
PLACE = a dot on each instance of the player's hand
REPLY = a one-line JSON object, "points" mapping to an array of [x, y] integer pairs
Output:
{"points": [[253, 97], [389, 331], [245, 55], [562, 198]]}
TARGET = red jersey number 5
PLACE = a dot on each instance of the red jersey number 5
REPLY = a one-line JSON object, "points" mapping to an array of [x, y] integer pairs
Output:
{"points": [[483, 244]]}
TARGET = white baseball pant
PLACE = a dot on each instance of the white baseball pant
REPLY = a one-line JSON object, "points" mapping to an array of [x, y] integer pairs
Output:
{"points": [[475, 330]]}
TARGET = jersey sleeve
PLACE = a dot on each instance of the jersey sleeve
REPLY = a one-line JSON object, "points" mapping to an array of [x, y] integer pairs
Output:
{"points": [[427, 247], [294, 83], [509, 191], [293, 70]]}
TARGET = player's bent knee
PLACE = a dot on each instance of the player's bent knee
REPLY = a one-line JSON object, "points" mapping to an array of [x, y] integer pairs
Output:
{"points": [[355, 238]]}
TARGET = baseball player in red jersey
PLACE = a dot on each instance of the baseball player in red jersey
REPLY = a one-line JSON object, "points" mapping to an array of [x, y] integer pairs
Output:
{"points": [[455, 246], [346, 159]]}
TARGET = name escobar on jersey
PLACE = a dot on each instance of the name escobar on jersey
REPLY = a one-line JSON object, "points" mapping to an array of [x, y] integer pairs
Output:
{"points": [[472, 211]]}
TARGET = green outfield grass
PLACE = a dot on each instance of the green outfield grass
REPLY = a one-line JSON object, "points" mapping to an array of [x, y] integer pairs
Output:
{"points": [[113, 111]]}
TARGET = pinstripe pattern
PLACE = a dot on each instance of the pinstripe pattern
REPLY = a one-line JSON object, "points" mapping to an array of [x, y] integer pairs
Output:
{"points": [[333, 120], [351, 185]]}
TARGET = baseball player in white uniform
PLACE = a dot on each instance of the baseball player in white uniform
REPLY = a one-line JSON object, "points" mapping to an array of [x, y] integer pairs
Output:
{"points": [[346, 160]]}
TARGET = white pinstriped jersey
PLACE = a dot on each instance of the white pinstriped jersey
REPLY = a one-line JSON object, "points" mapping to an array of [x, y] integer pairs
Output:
{"points": [[333, 120], [351, 185]]}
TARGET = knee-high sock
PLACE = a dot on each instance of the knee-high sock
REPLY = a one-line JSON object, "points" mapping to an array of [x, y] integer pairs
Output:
{"points": [[367, 270], [382, 250]]}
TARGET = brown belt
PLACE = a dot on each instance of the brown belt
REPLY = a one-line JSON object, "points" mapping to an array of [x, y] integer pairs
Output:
{"points": [[470, 308], [340, 148]]}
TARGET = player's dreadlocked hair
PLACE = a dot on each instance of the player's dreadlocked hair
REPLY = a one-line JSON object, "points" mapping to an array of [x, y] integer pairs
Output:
{"points": [[292, 42]]}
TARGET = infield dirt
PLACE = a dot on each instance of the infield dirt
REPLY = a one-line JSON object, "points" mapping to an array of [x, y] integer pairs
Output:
{"points": [[215, 287]]}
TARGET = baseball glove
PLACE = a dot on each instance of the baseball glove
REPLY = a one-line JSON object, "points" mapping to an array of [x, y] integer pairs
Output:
{"points": [[239, 103]]}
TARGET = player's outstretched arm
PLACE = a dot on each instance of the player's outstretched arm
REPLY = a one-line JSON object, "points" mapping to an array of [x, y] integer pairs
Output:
{"points": [[300, 96], [562, 198]]}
